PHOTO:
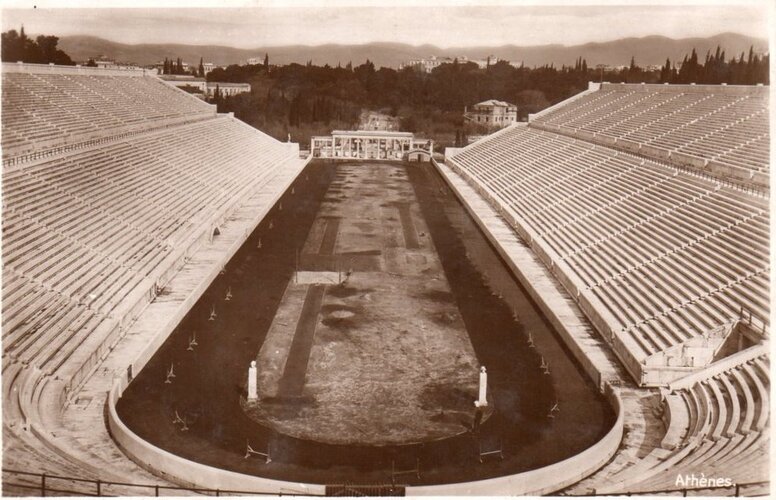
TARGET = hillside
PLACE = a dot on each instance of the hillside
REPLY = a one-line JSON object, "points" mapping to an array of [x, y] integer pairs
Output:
{"points": [[647, 51]]}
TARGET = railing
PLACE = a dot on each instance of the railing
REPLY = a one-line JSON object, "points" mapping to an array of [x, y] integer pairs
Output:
{"points": [[368, 490], [736, 489], [761, 191], [20, 67], [690, 87], [18, 158], [95, 487], [754, 321], [41, 484]]}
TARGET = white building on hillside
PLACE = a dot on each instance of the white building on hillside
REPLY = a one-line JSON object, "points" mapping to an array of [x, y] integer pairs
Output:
{"points": [[428, 65], [227, 88], [492, 113]]}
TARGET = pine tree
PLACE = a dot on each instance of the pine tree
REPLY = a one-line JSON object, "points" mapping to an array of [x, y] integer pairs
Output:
{"points": [[266, 61], [201, 69]]}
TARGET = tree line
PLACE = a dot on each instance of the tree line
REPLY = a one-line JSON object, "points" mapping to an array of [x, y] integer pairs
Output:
{"points": [[17, 46], [306, 100], [749, 70]]}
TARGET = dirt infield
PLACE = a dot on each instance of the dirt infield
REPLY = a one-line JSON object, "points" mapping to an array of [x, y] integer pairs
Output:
{"points": [[389, 358], [211, 379]]}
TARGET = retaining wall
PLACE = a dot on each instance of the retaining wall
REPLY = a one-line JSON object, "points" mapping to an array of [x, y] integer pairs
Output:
{"points": [[535, 482], [545, 480]]}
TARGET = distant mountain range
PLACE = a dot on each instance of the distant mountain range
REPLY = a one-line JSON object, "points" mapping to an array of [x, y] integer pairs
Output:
{"points": [[647, 51]]}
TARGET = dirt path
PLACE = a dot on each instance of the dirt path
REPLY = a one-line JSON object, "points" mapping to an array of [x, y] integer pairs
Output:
{"points": [[295, 371]]}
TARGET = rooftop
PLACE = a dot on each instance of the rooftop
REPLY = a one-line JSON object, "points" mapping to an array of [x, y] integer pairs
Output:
{"points": [[494, 102], [372, 133], [230, 84]]}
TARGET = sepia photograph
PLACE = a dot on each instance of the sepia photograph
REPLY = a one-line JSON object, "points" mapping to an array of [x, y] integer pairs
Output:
{"points": [[457, 248]]}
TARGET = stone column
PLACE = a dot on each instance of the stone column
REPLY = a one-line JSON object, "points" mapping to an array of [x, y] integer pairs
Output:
{"points": [[483, 396], [253, 393]]}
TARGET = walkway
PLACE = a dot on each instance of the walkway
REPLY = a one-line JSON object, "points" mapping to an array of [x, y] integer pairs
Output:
{"points": [[81, 427], [644, 430]]}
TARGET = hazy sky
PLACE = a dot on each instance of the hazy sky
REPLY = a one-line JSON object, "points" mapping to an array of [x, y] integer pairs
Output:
{"points": [[453, 23]]}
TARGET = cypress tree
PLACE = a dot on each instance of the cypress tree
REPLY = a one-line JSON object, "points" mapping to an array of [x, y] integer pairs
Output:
{"points": [[665, 72]]}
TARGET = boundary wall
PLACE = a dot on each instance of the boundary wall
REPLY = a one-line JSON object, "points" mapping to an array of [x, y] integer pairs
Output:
{"points": [[180, 470], [534, 482], [545, 480]]}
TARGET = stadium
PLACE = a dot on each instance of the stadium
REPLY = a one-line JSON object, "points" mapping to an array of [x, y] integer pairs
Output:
{"points": [[607, 262]]}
